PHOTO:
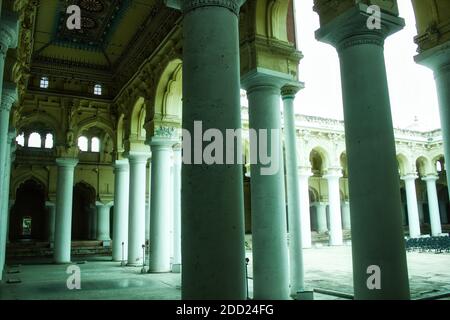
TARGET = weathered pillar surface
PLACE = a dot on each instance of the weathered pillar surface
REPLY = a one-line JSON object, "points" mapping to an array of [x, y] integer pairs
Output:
{"points": [[64, 198], [212, 198], [103, 221], [176, 264], [293, 192], [433, 205], [334, 199], [269, 235], [136, 222], [160, 205], [374, 187], [413, 211], [121, 202]]}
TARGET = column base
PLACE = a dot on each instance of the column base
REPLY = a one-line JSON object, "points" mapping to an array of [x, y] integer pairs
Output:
{"points": [[63, 262], [176, 268], [135, 264]]}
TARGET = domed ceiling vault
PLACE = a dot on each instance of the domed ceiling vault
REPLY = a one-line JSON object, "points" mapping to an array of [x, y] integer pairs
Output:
{"points": [[110, 45]]}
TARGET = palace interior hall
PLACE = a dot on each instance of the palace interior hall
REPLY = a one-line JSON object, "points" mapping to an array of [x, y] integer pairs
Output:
{"points": [[106, 192]]}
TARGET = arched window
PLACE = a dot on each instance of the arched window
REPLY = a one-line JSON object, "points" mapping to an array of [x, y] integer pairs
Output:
{"points": [[21, 140], [95, 145], [34, 141], [83, 143], [49, 141], [44, 83], [439, 166], [98, 89]]}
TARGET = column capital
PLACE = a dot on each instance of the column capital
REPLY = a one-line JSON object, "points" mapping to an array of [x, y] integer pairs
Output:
{"points": [[49, 204], [437, 58], [138, 157], [67, 162], [289, 91], [9, 31], [431, 178], [333, 173], [101, 204], [264, 79], [121, 165], [350, 28], [9, 96], [189, 5], [410, 176]]}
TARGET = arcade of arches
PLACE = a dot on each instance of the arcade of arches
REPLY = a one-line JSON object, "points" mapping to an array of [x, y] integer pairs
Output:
{"points": [[90, 141]]}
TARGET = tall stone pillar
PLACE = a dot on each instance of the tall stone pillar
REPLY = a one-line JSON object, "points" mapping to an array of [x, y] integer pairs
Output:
{"points": [[103, 221], [413, 211], [212, 198], [136, 222], [51, 218], [438, 60], [160, 205], [4, 197], [304, 174], [433, 205], [374, 186], [268, 201], [345, 209], [294, 195], [121, 206], [176, 264], [334, 199], [64, 198], [321, 214]]}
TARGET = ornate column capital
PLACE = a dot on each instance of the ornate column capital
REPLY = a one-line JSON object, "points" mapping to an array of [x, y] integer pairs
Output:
{"points": [[121, 166], [189, 5], [410, 176], [138, 157], [9, 96], [431, 178], [350, 28], [265, 79], [289, 91], [437, 58], [67, 162], [165, 136], [9, 31]]}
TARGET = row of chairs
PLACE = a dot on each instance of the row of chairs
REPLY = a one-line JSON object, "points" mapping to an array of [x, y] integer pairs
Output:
{"points": [[436, 244]]}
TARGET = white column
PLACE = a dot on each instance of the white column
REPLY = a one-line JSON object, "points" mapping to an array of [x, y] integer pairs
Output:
{"points": [[103, 221], [374, 187], [92, 222], [176, 265], [305, 214], [294, 194], [4, 197], [433, 205], [64, 198], [136, 227], [321, 212], [160, 205], [413, 211], [51, 212], [334, 199], [148, 203], [212, 198], [270, 251], [121, 206], [346, 224]]}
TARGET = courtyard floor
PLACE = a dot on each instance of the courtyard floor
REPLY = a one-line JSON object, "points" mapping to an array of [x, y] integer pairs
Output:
{"points": [[328, 270]]}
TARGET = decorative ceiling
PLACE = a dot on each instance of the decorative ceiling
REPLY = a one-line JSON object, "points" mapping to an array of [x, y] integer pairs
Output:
{"points": [[99, 18], [110, 45]]}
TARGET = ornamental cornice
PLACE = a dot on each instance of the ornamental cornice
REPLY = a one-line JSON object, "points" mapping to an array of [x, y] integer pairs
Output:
{"points": [[232, 5]]}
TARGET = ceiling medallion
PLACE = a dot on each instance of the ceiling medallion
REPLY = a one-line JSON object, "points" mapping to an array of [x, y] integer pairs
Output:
{"points": [[91, 5], [88, 23]]}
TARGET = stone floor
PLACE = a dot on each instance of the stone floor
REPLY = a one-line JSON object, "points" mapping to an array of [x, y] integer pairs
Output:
{"points": [[327, 269]]}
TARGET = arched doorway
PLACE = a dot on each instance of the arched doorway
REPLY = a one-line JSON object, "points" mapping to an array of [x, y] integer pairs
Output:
{"points": [[83, 212], [28, 215]]}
